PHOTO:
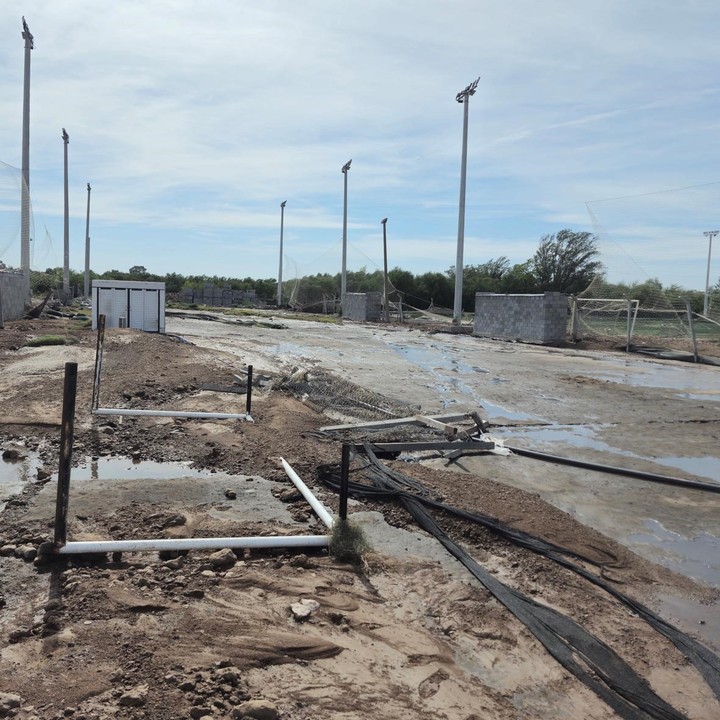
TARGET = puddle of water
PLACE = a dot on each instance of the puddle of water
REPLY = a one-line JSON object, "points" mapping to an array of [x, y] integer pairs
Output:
{"points": [[123, 468], [692, 617], [697, 557], [584, 436], [103, 486], [14, 475], [448, 372], [690, 382]]}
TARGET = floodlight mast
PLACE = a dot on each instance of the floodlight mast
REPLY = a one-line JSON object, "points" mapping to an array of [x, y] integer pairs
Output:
{"points": [[66, 244], [385, 274], [280, 276], [86, 287], [25, 191], [462, 97], [343, 276], [709, 234]]}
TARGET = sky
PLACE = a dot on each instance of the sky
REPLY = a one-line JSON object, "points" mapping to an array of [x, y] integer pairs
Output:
{"points": [[193, 120]]}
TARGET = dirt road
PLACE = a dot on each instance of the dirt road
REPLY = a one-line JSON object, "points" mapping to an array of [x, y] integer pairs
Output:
{"points": [[410, 636]]}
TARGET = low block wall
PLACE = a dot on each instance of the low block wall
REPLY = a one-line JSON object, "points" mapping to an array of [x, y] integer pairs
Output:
{"points": [[529, 318], [14, 295], [362, 307]]}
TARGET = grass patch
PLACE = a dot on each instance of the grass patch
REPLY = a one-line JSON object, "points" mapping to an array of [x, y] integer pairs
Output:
{"points": [[348, 543], [50, 340]]}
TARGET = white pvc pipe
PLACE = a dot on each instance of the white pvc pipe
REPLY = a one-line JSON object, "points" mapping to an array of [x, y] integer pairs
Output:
{"points": [[274, 541], [315, 504], [174, 413]]}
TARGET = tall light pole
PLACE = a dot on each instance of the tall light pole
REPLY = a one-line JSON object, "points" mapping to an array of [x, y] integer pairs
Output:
{"points": [[710, 234], [66, 255], [86, 287], [25, 192], [343, 277], [462, 97], [282, 223], [385, 276]]}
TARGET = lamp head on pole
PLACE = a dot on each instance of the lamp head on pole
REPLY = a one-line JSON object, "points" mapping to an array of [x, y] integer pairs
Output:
{"points": [[27, 35], [710, 233], [383, 221], [468, 91], [283, 203], [346, 166], [65, 136], [89, 188]]}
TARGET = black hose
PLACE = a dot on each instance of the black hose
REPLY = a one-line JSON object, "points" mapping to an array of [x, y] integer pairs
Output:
{"points": [[389, 484], [639, 474]]}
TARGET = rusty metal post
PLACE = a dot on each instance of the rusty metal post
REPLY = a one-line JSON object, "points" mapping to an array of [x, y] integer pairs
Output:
{"points": [[248, 400], [66, 444], [344, 475], [98, 362]]}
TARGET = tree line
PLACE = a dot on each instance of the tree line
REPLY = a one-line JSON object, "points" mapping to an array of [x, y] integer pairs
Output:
{"points": [[566, 262]]}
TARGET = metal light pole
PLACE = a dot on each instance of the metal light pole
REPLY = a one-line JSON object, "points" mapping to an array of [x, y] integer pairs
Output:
{"points": [[25, 192], [385, 276], [710, 234], [66, 256], [282, 223], [86, 287], [462, 97], [343, 277]]}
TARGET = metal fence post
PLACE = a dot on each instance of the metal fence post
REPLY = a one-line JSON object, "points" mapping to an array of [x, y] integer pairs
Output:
{"points": [[248, 400], [344, 475], [66, 444], [98, 362]]}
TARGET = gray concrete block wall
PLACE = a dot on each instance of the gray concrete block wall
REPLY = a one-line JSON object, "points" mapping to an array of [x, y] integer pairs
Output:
{"points": [[15, 295], [529, 318], [362, 307]]}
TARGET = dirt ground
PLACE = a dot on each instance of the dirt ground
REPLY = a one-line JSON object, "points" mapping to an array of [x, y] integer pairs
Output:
{"points": [[407, 634]]}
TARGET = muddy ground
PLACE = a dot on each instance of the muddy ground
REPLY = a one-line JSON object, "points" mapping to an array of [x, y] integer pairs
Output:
{"points": [[407, 634]]}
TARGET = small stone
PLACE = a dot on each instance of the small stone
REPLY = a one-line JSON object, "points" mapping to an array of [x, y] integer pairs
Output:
{"points": [[12, 454], [8, 702], [7, 550], [199, 712], [107, 430], [136, 697], [175, 564], [43, 474], [304, 609], [257, 709], [26, 552], [290, 495], [223, 558], [230, 494]]}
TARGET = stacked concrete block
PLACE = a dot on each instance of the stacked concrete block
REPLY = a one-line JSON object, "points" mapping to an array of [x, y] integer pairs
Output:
{"points": [[362, 307], [528, 318], [15, 295]]}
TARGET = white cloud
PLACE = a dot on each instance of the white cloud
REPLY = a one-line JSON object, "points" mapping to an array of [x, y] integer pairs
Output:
{"points": [[191, 118]]}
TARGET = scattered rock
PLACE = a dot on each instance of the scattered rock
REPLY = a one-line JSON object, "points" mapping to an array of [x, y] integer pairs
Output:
{"points": [[223, 558], [107, 429], [197, 713], [9, 702], [7, 550], [258, 709], [26, 552], [290, 495], [12, 454], [230, 494], [302, 561], [136, 697], [43, 474], [175, 564], [174, 521], [302, 610]]}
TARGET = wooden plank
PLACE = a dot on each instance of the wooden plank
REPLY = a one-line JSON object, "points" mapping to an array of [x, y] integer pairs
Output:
{"points": [[413, 420], [239, 389]]}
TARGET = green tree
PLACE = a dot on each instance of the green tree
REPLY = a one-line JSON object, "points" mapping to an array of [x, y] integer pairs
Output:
{"points": [[566, 262]]}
